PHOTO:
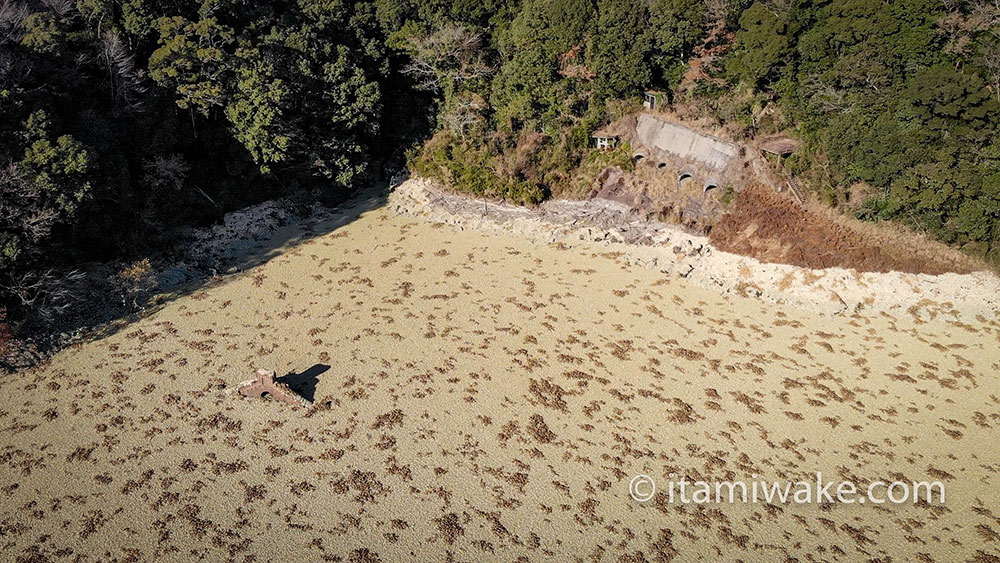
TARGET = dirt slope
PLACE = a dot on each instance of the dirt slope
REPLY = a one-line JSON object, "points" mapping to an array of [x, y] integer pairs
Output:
{"points": [[773, 228]]}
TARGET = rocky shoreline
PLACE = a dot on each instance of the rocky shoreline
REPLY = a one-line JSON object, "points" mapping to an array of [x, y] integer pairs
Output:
{"points": [[674, 252]]}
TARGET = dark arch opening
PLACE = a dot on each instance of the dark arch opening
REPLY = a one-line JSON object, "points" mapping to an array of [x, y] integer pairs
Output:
{"points": [[710, 186], [683, 176], [637, 157], [661, 165]]}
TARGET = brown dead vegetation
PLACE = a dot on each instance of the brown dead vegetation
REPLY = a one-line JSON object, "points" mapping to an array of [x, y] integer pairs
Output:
{"points": [[773, 228]]}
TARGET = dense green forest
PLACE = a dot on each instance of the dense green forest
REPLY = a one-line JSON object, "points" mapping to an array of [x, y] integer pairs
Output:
{"points": [[124, 119]]}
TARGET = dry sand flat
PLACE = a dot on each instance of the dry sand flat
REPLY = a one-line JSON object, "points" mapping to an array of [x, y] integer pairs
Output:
{"points": [[491, 397]]}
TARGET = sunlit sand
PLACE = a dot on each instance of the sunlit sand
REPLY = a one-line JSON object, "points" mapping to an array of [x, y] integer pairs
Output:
{"points": [[478, 395]]}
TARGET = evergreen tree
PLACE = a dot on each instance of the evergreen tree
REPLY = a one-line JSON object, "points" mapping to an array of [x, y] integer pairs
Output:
{"points": [[620, 48]]}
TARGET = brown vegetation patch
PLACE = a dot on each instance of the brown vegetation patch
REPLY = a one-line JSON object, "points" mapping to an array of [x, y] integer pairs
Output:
{"points": [[450, 527], [539, 430], [773, 228]]}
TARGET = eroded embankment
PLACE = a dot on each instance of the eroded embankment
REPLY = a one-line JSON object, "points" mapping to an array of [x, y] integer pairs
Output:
{"points": [[773, 228], [674, 252]]}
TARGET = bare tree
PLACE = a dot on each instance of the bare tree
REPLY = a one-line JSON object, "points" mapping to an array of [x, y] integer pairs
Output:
{"points": [[165, 172], [46, 294], [12, 15], [985, 14], [716, 12], [463, 113], [126, 81], [955, 28], [780, 8], [21, 207], [824, 95], [990, 54], [447, 58], [62, 8], [963, 27]]}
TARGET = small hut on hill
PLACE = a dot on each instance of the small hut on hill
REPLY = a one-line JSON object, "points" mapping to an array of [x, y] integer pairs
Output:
{"points": [[652, 99], [604, 141], [780, 145], [609, 136]]}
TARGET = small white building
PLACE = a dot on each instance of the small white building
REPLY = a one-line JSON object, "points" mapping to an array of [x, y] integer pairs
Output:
{"points": [[612, 135], [605, 142], [652, 99]]}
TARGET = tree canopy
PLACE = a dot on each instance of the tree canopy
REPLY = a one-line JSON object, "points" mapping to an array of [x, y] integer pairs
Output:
{"points": [[123, 119]]}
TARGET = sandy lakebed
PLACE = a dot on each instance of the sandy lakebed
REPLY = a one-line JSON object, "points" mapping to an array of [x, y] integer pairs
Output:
{"points": [[481, 394]]}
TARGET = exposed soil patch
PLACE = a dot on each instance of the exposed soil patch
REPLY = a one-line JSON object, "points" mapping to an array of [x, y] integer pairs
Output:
{"points": [[773, 228]]}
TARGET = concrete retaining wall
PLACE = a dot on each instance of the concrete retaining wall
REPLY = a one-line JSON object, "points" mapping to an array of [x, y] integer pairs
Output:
{"points": [[658, 135]]}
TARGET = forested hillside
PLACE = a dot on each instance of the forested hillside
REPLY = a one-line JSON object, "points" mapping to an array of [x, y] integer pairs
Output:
{"points": [[124, 119]]}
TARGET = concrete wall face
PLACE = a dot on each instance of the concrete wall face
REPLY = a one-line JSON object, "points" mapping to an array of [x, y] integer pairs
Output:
{"points": [[680, 141]]}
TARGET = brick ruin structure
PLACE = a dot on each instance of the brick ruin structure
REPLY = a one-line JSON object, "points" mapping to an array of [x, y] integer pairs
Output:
{"points": [[266, 387]]}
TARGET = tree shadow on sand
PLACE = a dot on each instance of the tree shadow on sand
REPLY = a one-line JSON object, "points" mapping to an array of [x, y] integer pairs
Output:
{"points": [[251, 254]]}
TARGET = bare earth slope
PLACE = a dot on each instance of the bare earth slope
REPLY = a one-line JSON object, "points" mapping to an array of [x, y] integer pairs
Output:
{"points": [[482, 396], [773, 228]]}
